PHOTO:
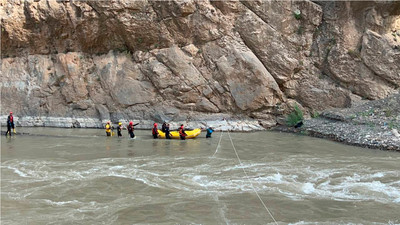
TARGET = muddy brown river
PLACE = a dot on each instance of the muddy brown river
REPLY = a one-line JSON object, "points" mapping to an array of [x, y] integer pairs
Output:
{"points": [[79, 176]]}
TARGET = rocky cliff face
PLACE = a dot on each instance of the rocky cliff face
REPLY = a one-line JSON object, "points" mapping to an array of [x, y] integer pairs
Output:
{"points": [[184, 60]]}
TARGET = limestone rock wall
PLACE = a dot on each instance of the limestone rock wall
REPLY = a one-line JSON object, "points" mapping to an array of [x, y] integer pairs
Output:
{"points": [[185, 59]]}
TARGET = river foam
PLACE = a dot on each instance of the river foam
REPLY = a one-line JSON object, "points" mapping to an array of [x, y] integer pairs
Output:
{"points": [[296, 184]]}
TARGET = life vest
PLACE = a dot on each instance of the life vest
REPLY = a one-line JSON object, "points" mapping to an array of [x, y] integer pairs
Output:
{"points": [[155, 131], [182, 132], [108, 128], [11, 119], [130, 128]]}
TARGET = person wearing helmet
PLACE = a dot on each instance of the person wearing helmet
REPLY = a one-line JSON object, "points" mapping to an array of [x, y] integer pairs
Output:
{"points": [[131, 129], [10, 124], [119, 129], [182, 133], [109, 128], [155, 131]]}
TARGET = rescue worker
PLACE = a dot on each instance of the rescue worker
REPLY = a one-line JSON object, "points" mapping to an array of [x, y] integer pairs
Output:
{"points": [[182, 133], [10, 124], [167, 134], [131, 129], [119, 129], [109, 128], [155, 131], [209, 132]]}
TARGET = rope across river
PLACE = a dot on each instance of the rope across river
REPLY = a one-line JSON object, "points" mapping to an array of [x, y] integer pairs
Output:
{"points": [[241, 165]]}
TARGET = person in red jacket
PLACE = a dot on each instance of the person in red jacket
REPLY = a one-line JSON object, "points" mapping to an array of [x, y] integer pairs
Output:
{"points": [[155, 131]]}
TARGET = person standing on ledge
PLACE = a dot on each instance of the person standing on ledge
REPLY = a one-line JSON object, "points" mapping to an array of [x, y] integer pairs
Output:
{"points": [[10, 124], [182, 133]]}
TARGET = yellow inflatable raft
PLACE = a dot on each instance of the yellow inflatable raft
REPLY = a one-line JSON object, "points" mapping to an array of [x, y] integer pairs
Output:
{"points": [[175, 134]]}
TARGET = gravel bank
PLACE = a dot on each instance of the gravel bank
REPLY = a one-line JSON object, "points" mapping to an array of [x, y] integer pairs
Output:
{"points": [[373, 124]]}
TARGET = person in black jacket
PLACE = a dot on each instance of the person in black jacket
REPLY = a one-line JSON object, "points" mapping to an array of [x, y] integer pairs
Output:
{"points": [[119, 129], [167, 134], [163, 127]]}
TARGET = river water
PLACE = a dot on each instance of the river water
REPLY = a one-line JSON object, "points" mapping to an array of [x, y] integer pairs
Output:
{"points": [[79, 176]]}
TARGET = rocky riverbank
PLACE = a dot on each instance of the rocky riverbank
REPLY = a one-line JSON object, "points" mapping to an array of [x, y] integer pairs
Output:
{"points": [[372, 124], [219, 122]]}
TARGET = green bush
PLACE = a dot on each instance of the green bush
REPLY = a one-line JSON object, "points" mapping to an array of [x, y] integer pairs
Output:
{"points": [[297, 14], [294, 117], [388, 112], [315, 114]]}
